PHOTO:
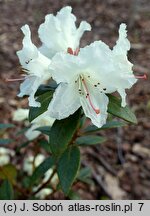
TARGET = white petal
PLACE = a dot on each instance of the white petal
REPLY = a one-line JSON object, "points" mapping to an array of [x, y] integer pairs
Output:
{"points": [[43, 120], [31, 133], [122, 44], [65, 67], [99, 101], [20, 114], [36, 66], [65, 101], [29, 50], [29, 87], [59, 32]]}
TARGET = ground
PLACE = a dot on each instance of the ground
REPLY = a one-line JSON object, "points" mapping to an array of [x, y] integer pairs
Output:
{"points": [[115, 177]]}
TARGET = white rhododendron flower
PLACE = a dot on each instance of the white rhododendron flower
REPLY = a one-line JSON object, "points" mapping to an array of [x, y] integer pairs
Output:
{"points": [[41, 121], [5, 155], [84, 79], [59, 33], [35, 65]]}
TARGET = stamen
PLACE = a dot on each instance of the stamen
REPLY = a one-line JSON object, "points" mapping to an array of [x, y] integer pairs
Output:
{"points": [[76, 52], [13, 80], [97, 111], [141, 76], [71, 52]]}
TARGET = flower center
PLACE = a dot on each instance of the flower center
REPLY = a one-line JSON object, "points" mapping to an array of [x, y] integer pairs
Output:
{"points": [[83, 90], [71, 52]]}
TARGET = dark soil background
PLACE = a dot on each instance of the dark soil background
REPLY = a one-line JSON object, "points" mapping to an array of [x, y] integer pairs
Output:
{"points": [[112, 179]]}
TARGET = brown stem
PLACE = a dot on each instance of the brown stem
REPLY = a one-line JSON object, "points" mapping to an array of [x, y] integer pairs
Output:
{"points": [[45, 183]]}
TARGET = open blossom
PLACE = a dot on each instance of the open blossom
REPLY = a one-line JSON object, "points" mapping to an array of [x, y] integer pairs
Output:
{"points": [[58, 33], [41, 121], [84, 79], [35, 65]]}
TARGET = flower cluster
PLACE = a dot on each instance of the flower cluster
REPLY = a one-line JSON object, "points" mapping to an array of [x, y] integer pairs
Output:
{"points": [[84, 75]]}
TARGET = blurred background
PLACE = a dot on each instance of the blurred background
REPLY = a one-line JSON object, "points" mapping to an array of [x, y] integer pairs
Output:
{"points": [[112, 179]]}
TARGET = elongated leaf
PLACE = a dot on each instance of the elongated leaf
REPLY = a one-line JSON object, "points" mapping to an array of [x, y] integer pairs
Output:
{"points": [[85, 175], [108, 125], [114, 108], [90, 140], [5, 141], [41, 170], [68, 166], [44, 99], [6, 191], [45, 130], [5, 126], [62, 132]]}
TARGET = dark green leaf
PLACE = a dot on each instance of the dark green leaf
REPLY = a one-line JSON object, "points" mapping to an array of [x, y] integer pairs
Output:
{"points": [[45, 88], [68, 166], [6, 191], [62, 132], [41, 170], [5, 141], [108, 125], [114, 107], [45, 130], [90, 140], [44, 99], [5, 126]]}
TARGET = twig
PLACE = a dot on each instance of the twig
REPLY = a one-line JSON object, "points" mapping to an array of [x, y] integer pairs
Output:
{"points": [[45, 183]]}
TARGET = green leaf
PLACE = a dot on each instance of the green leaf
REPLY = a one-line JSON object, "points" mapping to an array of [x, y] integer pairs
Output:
{"points": [[44, 99], [62, 132], [90, 140], [9, 172], [108, 125], [5, 126], [45, 130], [85, 175], [45, 88], [114, 107], [5, 141], [6, 191], [68, 166], [41, 170]]}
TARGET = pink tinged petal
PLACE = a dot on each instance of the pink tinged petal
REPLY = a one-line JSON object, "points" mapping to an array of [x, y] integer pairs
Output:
{"points": [[65, 101], [94, 103]]}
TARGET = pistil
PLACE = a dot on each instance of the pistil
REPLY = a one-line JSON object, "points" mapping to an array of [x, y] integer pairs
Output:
{"points": [[141, 76], [97, 111]]}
